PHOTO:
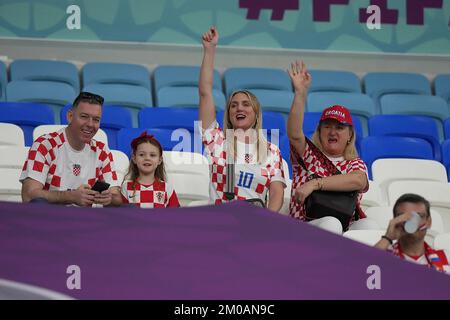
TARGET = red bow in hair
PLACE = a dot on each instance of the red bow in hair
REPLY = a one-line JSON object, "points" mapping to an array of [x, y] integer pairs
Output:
{"points": [[142, 136]]}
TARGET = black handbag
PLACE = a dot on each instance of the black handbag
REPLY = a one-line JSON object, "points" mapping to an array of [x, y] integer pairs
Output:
{"points": [[321, 203]]}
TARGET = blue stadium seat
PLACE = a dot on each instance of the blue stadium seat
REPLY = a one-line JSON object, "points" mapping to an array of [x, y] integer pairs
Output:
{"points": [[378, 84], [407, 126], [27, 116], [446, 156], [116, 73], [377, 147], [256, 78], [272, 87], [186, 97], [431, 106], [168, 118], [285, 153], [132, 97], [334, 81], [183, 140], [359, 104], [177, 86], [113, 119], [3, 81], [270, 120], [447, 128], [45, 70], [53, 94], [442, 87]]}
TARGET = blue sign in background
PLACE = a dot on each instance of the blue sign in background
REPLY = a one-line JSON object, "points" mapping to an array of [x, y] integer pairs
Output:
{"points": [[408, 26]]}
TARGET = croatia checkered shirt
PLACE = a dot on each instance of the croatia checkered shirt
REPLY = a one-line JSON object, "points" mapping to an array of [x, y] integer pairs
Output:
{"points": [[314, 166], [159, 194], [52, 162], [252, 179]]}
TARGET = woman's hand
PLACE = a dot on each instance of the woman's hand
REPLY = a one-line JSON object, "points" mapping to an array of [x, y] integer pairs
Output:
{"points": [[300, 77], [303, 191], [210, 38]]}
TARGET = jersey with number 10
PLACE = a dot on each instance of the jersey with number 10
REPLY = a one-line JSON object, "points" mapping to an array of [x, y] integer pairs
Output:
{"points": [[252, 179]]}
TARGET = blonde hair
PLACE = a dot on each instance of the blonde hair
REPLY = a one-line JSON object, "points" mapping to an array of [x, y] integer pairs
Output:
{"points": [[262, 144], [133, 170], [350, 152]]}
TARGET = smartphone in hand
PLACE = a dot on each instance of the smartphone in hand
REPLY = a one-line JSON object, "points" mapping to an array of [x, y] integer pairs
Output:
{"points": [[100, 186]]}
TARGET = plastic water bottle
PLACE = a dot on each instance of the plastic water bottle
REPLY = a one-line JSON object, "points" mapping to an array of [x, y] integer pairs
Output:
{"points": [[412, 225]]}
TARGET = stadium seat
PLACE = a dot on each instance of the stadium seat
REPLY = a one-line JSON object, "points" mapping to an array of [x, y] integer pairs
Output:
{"points": [[10, 187], [113, 119], [407, 126], [121, 163], [385, 171], [132, 97], [44, 129], [170, 140], [45, 70], [378, 84], [27, 116], [442, 241], [334, 81], [13, 157], [373, 148], [447, 128], [177, 86], [54, 94], [360, 105], [168, 118], [3, 81], [430, 106], [367, 237], [446, 156], [372, 198], [116, 73], [184, 170], [437, 193], [272, 87], [11, 135], [186, 97], [442, 87]]}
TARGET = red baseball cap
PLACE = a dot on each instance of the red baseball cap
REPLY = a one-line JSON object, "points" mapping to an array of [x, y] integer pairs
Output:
{"points": [[338, 113]]}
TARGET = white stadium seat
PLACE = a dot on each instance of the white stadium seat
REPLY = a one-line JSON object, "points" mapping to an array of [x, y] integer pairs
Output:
{"points": [[442, 241], [13, 156], [368, 237], [386, 171], [11, 135], [121, 163], [189, 175], [10, 187]]}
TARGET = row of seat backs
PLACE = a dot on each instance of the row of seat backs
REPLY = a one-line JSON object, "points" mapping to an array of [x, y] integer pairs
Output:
{"points": [[377, 84]]}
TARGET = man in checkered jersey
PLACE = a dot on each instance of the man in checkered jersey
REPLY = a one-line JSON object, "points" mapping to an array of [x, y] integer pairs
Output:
{"points": [[62, 166]]}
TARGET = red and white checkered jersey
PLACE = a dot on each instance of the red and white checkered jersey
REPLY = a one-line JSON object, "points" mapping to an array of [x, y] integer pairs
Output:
{"points": [[159, 194], [252, 179], [314, 166], [54, 163]]}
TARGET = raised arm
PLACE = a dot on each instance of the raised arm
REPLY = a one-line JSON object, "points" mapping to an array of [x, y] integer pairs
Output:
{"points": [[207, 112], [301, 80]]}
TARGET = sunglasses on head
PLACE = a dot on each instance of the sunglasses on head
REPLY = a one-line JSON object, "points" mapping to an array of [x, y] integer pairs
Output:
{"points": [[91, 97]]}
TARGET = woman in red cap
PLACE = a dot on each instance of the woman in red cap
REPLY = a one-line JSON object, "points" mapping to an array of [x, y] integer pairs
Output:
{"points": [[329, 162]]}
